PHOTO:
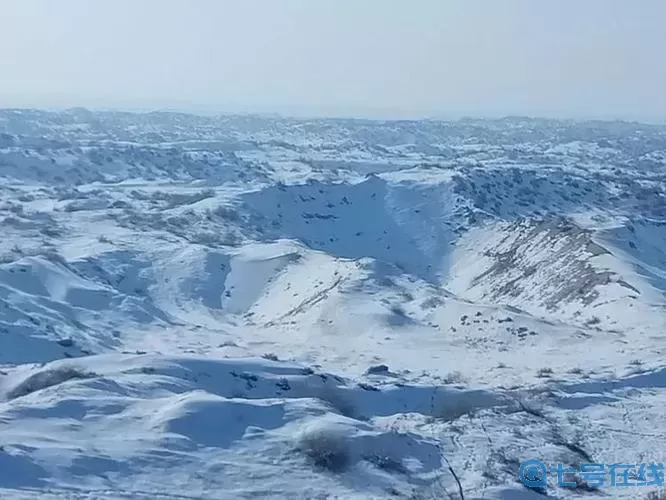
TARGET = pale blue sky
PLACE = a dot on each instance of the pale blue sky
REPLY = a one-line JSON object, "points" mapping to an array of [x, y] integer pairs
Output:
{"points": [[569, 58]]}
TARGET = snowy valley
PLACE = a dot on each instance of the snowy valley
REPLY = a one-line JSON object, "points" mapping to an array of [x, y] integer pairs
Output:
{"points": [[260, 307]]}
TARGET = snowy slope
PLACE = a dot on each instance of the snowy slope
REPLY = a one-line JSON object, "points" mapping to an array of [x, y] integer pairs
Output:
{"points": [[278, 308]]}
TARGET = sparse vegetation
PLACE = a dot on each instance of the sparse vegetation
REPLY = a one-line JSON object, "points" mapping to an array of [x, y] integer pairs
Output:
{"points": [[594, 320], [544, 372], [47, 378], [377, 370], [454, 377], [325, 445]]}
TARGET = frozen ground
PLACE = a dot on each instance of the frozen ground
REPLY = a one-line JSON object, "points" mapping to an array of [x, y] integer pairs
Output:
{"points": [[248, 307]]}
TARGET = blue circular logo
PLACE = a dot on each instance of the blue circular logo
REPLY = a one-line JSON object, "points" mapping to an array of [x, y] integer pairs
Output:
{"points": [[533, 474]]}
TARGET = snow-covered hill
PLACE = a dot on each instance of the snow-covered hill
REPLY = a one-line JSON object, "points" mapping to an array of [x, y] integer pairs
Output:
{"points": [[251, 307]]}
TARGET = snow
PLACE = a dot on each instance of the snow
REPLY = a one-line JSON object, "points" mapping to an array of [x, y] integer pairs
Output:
{"points": [[253, 307]]}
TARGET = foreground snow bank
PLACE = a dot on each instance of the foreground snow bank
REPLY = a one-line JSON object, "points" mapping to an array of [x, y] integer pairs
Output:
{"points": [[232, 428]]}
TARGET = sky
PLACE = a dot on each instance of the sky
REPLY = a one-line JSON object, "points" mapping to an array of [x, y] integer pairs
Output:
{"points": [[372, 58]]}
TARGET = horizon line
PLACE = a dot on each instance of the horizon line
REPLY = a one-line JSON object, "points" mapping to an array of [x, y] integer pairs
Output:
{"points": [[396, 116]]}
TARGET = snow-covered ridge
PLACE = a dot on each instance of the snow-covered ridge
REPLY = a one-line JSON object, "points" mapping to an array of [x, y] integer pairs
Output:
{"points": [[281, 308]]}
